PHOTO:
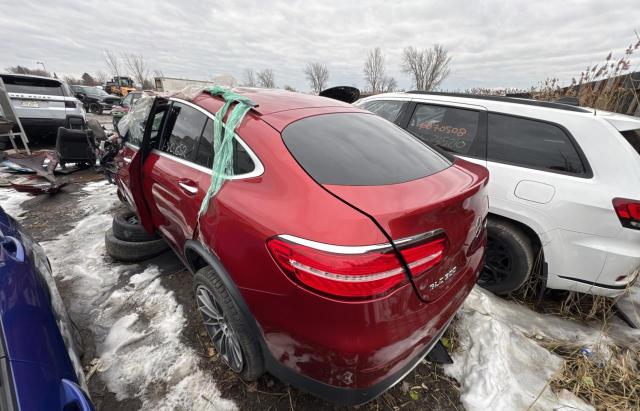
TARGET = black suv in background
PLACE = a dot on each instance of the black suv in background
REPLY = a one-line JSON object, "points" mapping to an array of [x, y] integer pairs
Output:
{"points": [[95, 100]]}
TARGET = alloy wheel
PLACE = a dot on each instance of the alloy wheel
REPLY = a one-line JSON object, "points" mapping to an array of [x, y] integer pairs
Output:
{"points": [[497, 266], [222, 335]]}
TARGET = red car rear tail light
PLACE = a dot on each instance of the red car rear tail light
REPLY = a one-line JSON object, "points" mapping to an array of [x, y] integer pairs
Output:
{"points": [[421, 257], [628, 212], [352, 272]]}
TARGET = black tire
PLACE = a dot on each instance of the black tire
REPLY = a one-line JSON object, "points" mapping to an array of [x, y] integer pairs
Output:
{"points": [[253, 363], [509, 258], [126, 227], [95, 108], [132, 252]]}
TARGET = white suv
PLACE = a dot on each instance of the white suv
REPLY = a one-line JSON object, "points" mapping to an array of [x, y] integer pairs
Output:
{"points": [[43, 104], [564, 180]]}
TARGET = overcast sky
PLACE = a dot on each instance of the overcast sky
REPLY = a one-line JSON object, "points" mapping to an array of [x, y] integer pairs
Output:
{"points": [[492, 43]]}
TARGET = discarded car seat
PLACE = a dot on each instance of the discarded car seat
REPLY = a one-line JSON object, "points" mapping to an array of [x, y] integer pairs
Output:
{"points": [[74, 146]]}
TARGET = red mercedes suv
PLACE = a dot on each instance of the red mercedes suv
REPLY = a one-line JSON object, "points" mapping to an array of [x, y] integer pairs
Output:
{"points": [[336, 254]]}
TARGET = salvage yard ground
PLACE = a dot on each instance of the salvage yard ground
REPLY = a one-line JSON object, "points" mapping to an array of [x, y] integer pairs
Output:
{"points": [[145, 346]]}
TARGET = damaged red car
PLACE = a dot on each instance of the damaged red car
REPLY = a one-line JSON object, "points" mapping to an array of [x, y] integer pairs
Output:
{"points": [[337, 252]]}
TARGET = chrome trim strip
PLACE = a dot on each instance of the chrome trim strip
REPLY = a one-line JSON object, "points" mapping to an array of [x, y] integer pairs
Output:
{"points": [[337, 249], [360, 249]]}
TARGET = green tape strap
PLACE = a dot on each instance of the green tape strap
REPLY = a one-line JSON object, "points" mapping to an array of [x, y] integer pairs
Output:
{"points": [[223, 135]]}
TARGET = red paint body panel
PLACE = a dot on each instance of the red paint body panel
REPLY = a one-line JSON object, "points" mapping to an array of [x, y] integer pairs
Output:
{"points": [[350, 344]]}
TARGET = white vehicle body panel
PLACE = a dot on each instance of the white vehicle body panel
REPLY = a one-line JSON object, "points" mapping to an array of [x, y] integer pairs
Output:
{"points": [[585, 246]]}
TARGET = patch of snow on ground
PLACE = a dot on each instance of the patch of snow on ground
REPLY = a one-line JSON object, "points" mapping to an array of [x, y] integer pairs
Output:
{"points": [[11, 202], [500, 367], [629, 304], [137, 323]]}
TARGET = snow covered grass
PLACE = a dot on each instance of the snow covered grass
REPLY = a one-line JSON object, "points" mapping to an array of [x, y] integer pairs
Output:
{"points": [[136, 322], [11, 202], [503, 363]]}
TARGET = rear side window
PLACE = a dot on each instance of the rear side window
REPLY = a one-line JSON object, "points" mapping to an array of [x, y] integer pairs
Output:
{"points": [[28, 85], [452, 129], [531, 143], [359, 149], [387, 109], [183, 131], [633, 137], [242, 162]]}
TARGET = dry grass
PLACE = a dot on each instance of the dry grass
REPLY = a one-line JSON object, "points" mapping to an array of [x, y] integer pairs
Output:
{"points": [[608, 379], [606, 86]]}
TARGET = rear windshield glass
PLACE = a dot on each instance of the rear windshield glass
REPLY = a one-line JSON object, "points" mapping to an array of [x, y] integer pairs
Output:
{"points": [[32, 86], [633, 137], [359, 149]]}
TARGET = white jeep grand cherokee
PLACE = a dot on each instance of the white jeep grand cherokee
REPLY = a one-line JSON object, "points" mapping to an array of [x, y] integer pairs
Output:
{"points": [[565, 180]]}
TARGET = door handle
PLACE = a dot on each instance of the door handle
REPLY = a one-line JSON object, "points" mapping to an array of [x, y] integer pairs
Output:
{"points": [[188, 186]]}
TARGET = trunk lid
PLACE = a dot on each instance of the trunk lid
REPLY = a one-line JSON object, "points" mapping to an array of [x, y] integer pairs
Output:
{"points": [[451, 203]]}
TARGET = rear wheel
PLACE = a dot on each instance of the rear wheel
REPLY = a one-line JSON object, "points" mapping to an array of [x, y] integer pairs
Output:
{"points": [[228, 330], [509, 258]]}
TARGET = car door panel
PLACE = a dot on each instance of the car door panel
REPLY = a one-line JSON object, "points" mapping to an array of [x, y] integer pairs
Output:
{"points": [[174, 208]]}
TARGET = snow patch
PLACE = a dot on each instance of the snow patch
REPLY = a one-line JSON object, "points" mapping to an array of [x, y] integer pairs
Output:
{"points": [[136, 322], [11, 202], [500, 367]]}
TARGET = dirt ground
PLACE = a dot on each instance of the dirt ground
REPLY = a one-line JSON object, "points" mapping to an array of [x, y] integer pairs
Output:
{"points": [[51, 216]]}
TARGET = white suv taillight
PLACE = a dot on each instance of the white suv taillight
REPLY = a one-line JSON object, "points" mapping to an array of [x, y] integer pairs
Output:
{"points": [[353, 271], [628, 212]]}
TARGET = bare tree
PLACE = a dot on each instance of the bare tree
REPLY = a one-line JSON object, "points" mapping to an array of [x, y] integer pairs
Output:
{"points": [[101, 77], [428, 67], [249, 78], [289, 88], [388, 84], [266, 79], [112, 62], [374, 71], [318, 75], [137, 66]]}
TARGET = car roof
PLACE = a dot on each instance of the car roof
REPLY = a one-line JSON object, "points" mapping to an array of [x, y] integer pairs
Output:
{"points": [[492, 103], [621, 122], [29, 76], [271, 101]]}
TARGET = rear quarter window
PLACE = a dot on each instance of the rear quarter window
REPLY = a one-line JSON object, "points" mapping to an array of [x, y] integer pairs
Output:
{"points": [[387, 109], [359, 149], [633, 138], [532, 143]]}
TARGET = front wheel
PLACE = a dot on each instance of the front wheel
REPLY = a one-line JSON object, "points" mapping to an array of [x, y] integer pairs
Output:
{"points": [[509, 258], [228, 330], [95, 108]]}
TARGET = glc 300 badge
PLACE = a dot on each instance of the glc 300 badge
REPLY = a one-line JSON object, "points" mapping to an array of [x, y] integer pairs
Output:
{"points": [[443, 279]]}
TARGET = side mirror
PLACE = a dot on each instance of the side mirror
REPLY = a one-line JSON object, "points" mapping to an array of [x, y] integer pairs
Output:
{"points": [[80, 96]]}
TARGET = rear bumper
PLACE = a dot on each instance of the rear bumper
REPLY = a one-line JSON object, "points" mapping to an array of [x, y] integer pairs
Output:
{"points": [[349, 396], [350, 353], [594, 264]]}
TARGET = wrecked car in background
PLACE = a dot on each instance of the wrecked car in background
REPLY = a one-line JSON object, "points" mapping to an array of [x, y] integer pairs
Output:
{"points": [[300, 269], [43, 104], [95, 100], [39, 365], [122, 108]]}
